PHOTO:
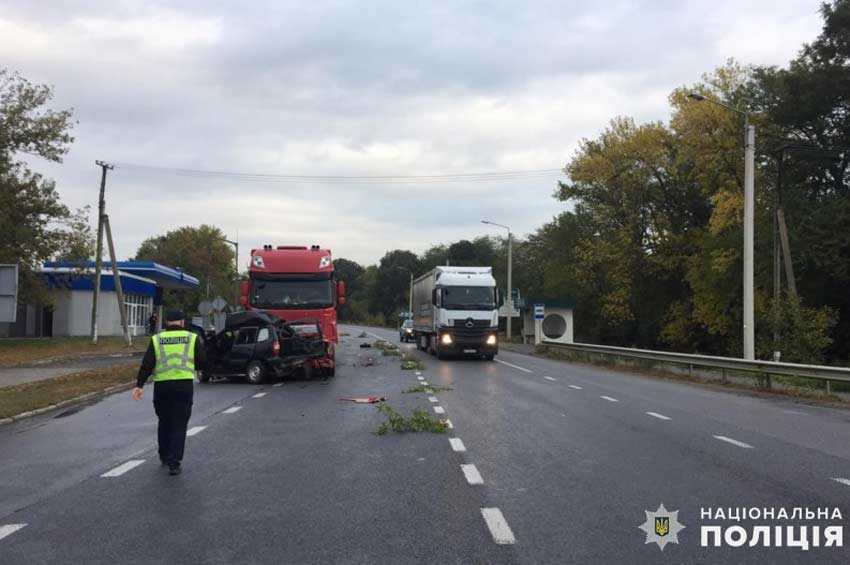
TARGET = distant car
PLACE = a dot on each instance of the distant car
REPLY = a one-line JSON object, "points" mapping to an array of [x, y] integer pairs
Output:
{"points": [[255, 346], [405, 332]]}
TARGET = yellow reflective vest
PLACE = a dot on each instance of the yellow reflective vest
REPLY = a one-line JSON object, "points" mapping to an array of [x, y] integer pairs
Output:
{"points": [[175, 355]]}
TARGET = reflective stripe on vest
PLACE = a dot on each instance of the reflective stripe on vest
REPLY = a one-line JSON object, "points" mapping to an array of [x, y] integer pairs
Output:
{"points": [[175, 355]]}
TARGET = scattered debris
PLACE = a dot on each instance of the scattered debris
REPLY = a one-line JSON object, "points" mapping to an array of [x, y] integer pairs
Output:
{"points": [[365, 345], [420, 421], [363, 334], [410, 363], [344, 334], [366, 399], [430, 389]]}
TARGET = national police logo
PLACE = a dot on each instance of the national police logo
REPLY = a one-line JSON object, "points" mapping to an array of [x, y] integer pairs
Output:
{"points": [[662, 527]]}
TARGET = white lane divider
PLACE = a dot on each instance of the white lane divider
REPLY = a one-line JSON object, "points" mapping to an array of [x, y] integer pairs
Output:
{"points": [[439, 410], [195, 430], [659, 416], [514, 366], [233, 409], [609, 399], [457, 444], [472, 475], [845, 482], [424, 383], [575, 387], [420, 378], [550, 379], [498, 526], [734, 442], [418, 373], [9, 529], [123, 468], [259, 395], [449, 424], [433, 399]]}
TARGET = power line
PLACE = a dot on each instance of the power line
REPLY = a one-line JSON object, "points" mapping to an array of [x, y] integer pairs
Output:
{"points": [[345, 179]]}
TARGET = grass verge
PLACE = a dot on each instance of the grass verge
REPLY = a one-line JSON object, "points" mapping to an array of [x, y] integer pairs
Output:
{"points": [[25, 397], [17, 351], [420, 421]]}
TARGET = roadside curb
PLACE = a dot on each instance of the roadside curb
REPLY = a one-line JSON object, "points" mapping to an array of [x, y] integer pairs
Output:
{"points": [[76, 358], [66, 403]]}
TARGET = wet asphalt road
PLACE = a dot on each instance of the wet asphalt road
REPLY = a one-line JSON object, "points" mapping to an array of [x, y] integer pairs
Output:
{"points": [[570, 456]]}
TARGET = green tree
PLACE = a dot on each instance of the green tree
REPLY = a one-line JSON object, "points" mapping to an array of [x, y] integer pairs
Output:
{"points": [[36, 226], [198, 251], [352, 274], [389, 294]]}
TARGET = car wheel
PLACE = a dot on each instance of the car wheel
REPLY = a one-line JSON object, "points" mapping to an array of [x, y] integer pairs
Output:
{"points": [[489, 357], [256, 373]]}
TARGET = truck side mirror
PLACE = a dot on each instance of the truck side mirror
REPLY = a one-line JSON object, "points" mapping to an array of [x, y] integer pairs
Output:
{"points": [[244, 289], [340, 292]]}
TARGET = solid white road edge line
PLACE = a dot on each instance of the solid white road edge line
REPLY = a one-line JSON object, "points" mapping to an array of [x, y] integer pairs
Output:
{"points": [[550, 379], [457, 444], [233, 409], [659, 416], [195, 430], [259, 395], [10, 529], [575, 387], [433, 399], [472, 475], [498, 526], [123, 468], [514, 366], [439, 410], [734, 442], [609, 399]]}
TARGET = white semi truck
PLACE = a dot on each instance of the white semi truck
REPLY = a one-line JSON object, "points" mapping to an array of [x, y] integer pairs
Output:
{"points": [[455, 312]]}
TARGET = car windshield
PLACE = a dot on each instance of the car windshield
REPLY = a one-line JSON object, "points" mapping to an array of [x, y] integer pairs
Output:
{"points": [[407, 324], [469, 298], [295, 294]]}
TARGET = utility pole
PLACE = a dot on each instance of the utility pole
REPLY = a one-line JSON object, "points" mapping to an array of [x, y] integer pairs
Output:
{"points": [[509, 301], [103, 224], [749, 223], [98, 259], [235, 265]]}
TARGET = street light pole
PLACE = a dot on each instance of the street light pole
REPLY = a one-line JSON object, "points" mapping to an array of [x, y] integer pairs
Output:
{"points": [[236, 266], [749, 221], [509, 301]]}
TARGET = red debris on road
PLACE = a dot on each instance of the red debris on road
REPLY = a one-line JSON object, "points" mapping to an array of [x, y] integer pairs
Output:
{"points": [[366, 399]]}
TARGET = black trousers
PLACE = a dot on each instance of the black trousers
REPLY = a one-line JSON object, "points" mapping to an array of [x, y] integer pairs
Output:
{"points": [[172, 402]]}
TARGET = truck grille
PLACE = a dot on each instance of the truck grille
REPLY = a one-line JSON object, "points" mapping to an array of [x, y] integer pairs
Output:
{"points": [[478, 332]]}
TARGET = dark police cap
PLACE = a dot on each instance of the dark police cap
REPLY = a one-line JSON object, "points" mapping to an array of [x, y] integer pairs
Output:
{"points": [[175, 316]]}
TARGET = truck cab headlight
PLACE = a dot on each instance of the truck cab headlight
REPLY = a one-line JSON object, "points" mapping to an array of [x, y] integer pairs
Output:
{"points": [[491, 339], [446, 339]]}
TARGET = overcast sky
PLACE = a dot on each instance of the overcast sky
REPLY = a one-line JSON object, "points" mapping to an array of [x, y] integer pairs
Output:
{"points": [[361, 88]]}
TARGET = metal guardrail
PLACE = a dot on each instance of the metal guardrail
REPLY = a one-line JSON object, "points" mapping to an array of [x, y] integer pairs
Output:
{"points": [[819, 372]]}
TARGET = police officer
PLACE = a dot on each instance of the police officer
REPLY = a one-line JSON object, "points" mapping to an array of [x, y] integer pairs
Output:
{"points": [[172, 357]]}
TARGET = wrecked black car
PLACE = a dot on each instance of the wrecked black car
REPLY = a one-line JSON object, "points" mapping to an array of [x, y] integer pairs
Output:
{"points": [[257, 347]]}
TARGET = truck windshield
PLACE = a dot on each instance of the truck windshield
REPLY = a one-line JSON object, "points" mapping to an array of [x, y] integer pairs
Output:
{"points": [[469, 298], [296, 294]]}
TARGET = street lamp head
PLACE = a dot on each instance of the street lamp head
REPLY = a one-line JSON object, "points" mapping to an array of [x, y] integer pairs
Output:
{"points": [[695, 96]]}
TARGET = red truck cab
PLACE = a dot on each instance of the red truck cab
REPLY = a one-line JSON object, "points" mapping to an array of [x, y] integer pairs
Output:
{"points": [[297, 283]]}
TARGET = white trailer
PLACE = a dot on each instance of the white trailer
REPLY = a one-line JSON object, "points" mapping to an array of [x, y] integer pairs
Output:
{"points": [[455, 312]]}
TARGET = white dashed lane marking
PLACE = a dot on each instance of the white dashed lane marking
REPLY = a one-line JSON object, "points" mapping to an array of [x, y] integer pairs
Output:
{"points": [[549, 378], [659, 416], [195, 430], [123, 468], [575, 387], [734, 442], [439, 410], [421, 378], [609, 399], [472, 475], [514, 366], [9, 529], [457, 444], [233, 409], [424, 383], [433, 399], [498, 526], [449, 424], [259, 395], [845, 482]]}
